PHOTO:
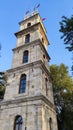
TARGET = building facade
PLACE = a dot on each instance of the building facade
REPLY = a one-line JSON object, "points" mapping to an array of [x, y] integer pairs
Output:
{"points": [[28, 102]]}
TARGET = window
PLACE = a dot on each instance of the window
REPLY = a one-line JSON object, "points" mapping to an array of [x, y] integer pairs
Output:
{"points": [[50, 123], [27, 38], [42, 40], [44, 56], [29, 24], [22, 88], [18, 123], [46, 85], [25, 57]]}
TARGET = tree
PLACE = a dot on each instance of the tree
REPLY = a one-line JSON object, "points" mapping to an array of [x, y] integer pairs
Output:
{"points": [[3, 79], [66, 27], [61, 78], [63, 95], [67, 113]]}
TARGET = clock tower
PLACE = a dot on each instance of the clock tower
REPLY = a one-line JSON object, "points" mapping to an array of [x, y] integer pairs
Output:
{"points": [[28, 102]]}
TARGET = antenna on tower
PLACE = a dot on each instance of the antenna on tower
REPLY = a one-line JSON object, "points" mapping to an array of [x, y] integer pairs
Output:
{"points": [[27, 12], [36, 7], [43, 19]]}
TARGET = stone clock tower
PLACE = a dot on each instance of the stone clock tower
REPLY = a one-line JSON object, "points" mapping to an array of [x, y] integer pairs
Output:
{"points": [[28, 101]]}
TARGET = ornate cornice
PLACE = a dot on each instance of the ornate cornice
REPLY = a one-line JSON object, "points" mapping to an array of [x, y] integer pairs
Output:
{"points": [[36, 42], [28, 17], [36, 64], [27, 45], [24, 99], [33, 27], [26, 30], [24, 66]]}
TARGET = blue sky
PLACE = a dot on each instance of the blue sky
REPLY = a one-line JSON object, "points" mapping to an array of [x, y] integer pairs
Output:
{"points": [[12, 12]]}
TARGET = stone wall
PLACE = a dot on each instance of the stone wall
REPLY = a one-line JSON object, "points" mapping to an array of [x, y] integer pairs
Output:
{"points": [[35, 115]]}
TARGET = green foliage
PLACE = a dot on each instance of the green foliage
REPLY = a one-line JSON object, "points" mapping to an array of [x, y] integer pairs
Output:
{"points": [[66, 27], [61, 78], [67, 112], [63, 95], [3, 79], [67, 115]]}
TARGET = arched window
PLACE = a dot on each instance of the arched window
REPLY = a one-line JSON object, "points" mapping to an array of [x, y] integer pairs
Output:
{"points": [[22, 88], [46, 86], [29, 24], [25, 57], [50, 123], [27, 38], [42, 40], [18, 123]]}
